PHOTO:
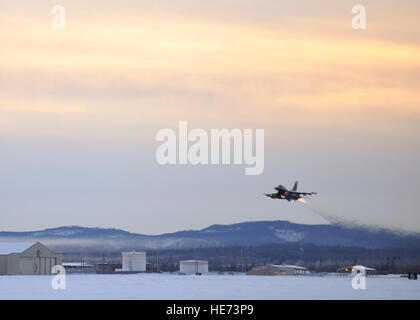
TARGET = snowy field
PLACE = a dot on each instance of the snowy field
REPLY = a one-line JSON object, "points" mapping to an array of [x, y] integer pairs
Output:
{"points": [[171, 286]]}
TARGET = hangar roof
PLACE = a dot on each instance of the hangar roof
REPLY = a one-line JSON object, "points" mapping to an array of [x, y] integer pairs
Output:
{"points": [[288, 266], [194, 261]]}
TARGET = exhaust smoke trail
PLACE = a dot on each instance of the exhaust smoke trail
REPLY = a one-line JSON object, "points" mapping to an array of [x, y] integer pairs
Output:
{"points": [[331, 218], [347, 223]]}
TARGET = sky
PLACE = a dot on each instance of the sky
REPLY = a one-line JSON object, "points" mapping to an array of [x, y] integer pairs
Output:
{"points": [[80, 109]]}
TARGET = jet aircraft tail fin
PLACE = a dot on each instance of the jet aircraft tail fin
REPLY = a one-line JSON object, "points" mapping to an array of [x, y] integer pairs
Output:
{"points": [[295, 186]]}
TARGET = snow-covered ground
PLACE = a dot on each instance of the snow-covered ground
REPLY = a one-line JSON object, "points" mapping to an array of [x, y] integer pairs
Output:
{"points": [[171, 286]]}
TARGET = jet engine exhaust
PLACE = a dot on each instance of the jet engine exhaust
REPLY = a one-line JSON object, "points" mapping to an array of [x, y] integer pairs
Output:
{"points": [[330, 218]]}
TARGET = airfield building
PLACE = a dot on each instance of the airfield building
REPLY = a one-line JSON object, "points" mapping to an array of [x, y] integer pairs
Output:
{"points": [[354, 270], [27, 258], [106, 267], [133, 261], [193, 266], [78, 267], [277, 270]]}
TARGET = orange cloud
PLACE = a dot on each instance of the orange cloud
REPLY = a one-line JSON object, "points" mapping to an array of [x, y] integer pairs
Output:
{"points": [[198, 69]]}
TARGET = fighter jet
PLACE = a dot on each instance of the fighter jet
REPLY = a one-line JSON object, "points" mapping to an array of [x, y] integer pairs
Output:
{"points": [[284, 193]]}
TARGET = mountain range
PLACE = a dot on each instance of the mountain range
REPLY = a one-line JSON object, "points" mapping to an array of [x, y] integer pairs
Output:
{"points": [[245, 233]]}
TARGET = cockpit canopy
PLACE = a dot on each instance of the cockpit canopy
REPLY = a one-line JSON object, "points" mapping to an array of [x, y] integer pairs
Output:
{"points": [[280, 188]]}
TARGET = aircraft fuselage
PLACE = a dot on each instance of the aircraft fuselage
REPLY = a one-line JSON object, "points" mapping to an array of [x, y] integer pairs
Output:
{"points": [[289, 195]]}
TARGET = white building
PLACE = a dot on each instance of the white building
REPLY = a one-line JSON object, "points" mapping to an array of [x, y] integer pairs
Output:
{"points": [[354, 270], [27, 258], [134, 261], [193, 266]]}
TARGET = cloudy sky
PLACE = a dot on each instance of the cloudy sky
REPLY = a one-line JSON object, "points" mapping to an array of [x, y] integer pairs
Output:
{"points": [[80, 109]]}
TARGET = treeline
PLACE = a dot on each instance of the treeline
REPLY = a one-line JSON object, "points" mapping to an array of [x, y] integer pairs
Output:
{"points": [[242, 258]]}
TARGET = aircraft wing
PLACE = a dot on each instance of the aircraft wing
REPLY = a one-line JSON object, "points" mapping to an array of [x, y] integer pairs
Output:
{"points": [[274, 195], [303, 193]]}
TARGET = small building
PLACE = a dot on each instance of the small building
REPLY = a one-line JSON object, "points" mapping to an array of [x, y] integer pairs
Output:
{"points": [[344, 271], [150, 267], [78, 267], [354, 270], [106, 267], [193, 266], [277, 270], [133, 261], [365, 271], [27, 258]]}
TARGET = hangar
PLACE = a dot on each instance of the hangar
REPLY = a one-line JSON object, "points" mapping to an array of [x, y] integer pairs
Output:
{"points": [[354, 270], [134, 261], [277, 269], [27, 258], [193, 267]]}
